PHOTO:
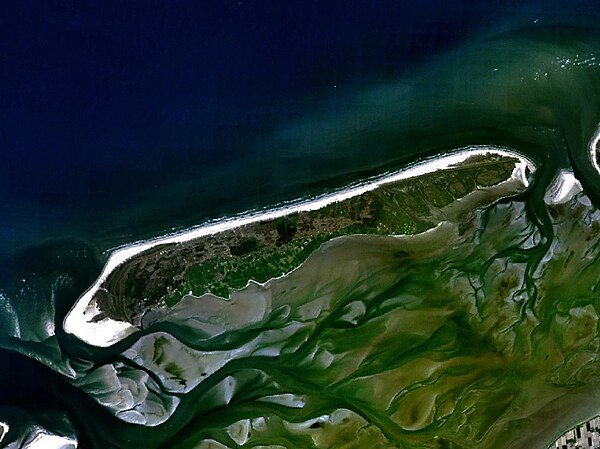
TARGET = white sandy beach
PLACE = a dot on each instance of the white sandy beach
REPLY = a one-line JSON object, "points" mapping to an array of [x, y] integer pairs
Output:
{"points": [[564, 187], [593, 151]]}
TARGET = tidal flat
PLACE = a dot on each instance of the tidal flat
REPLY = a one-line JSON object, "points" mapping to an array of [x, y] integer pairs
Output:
{"points": [[470, 333]]}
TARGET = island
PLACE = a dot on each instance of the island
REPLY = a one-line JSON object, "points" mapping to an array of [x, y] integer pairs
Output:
{"points": [[261, 246], [271, 248]]}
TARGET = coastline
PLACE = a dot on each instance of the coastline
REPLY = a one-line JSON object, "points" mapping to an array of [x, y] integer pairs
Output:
{"points": [[105, 332], [4, 428]]}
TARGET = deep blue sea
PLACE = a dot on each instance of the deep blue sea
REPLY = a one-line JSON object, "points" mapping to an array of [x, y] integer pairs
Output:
{"points": [[121, 121]]}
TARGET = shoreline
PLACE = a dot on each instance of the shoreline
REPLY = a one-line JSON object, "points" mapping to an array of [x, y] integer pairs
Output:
{"points": [[4, 428], [594, 151], [103, 333]]}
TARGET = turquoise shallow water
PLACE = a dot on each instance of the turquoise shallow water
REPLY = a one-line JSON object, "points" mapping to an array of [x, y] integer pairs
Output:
{"points": [[534, 89]]}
